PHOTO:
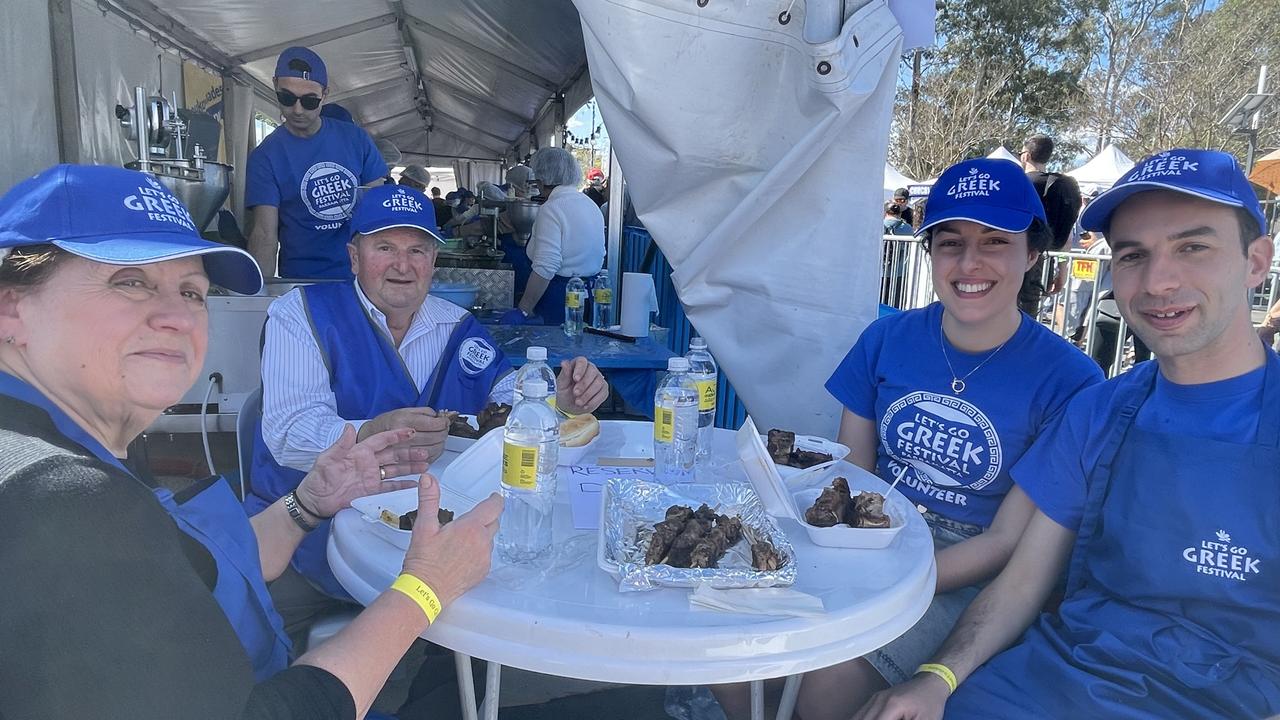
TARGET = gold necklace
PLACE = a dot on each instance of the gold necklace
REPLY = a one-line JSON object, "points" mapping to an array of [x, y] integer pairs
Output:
{"points": [[957, 383]]}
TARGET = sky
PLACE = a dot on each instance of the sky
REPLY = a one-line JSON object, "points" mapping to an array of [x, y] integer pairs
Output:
{"points": [[580, 125]]}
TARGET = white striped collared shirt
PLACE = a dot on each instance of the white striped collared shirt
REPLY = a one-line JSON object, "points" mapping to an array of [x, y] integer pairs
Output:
{"points": [[299, 411]]}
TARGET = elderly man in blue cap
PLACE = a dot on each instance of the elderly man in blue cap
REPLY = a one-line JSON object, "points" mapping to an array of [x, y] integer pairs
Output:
{"points": [[302, 180], [1160, 486], [376, 353]]}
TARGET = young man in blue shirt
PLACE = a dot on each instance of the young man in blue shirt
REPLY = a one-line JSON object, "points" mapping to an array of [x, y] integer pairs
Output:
{"points": [[1160, 486], [303, 179]]}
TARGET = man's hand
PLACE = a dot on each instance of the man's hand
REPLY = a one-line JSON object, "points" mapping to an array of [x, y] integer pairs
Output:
{"points": [[921, 698], [580, 388], [454, 558], [427, 443], [350, 469]]}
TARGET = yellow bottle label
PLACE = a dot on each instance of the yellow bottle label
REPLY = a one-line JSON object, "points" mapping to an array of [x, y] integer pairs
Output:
{"points": [[664, 424], [572, 301], [520, 466], [706, 395], [604, 296], [551, 400]]}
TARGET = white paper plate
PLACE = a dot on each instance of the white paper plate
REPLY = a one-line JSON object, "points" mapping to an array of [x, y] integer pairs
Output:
{"points": [[790, 498]]}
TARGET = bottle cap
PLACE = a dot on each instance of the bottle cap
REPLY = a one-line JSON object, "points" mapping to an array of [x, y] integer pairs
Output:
{"points": [[534, 389], [678, 364], [537, 353], [698, 342]]}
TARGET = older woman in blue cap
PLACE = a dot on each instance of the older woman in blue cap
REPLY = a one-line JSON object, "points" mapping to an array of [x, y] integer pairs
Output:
{"points": [[949, 396], [125, 598]]}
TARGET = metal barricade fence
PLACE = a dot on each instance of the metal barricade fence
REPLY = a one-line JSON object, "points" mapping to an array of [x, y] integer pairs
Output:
{"points": [[1264, 296], [1072, 311], [906, 278], [906, 283]]}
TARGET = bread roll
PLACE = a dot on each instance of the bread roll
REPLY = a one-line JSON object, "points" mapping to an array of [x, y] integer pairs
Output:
{"points": [[578, 431]]}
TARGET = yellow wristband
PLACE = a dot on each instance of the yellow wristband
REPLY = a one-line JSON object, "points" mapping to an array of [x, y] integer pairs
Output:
{"points": [[941, 671], [420, 593]]}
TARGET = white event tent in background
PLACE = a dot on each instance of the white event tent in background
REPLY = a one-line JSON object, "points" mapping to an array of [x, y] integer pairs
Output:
{"points": [[894, 180], [1102, 170]]}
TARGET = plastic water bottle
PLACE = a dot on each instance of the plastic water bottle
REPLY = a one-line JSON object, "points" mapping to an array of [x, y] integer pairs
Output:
{"points": [[705, 374], [675, 424], [535, 368], [530, 452], [602, 294], [575, 301]]}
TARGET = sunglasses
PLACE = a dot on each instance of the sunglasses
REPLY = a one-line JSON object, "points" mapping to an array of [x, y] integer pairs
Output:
{"points": [[287, 99]]}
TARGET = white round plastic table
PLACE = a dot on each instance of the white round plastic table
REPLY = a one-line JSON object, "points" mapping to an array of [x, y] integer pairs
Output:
{"points": [[578, 624]]}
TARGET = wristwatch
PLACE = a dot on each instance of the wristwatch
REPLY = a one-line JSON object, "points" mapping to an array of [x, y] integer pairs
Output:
{"points": [[295, 512]]}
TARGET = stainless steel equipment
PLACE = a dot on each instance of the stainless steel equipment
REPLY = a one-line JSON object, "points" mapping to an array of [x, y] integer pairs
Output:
{"points": [[156, 130], [522, 213]]}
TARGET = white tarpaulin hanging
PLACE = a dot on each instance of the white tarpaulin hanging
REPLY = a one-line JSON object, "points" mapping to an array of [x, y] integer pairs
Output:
{"points": [[748, 151]]}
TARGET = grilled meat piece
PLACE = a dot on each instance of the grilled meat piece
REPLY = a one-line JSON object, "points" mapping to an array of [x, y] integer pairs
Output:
{"points": [[704, 513], [780, 443], [682, 546], [494, 415], [459, 427], [732, 528], [679, 512], [831, 507], [660, 542], [867, 511], [407, 519], [764, 556], [806, 459]]}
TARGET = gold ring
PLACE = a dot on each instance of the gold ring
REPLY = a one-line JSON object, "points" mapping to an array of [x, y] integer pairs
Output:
{"points": [[382, 472]]}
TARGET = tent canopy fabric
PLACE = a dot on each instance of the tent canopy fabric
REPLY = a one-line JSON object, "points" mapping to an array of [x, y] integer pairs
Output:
{"points": [[444, 78], [1103, 169], [894, 180], [1266, 172], [1001, 153]]}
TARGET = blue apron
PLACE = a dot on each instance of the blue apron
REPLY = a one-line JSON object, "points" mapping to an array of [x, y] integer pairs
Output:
{"points": [[1183, 529], [519, 261], [214, 519], [368, 377], [551, 307]]}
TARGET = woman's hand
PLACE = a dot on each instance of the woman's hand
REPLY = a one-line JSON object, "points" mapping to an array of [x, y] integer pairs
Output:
{"points": [[350, 469], [580, 387], [454, 558]]}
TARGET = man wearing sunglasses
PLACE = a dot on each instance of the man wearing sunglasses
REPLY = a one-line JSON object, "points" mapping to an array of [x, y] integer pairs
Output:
{"points": [[303, 179]]}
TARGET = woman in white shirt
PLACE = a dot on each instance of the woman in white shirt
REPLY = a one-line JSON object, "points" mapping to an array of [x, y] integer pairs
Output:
{"points": [[568, 237]]}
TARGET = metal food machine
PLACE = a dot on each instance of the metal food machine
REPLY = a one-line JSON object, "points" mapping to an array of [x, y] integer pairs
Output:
{"points": [[170, 144]]}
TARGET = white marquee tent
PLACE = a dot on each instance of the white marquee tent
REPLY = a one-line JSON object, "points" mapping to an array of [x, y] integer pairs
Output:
{"points": [[1101, 172], [894, 180]]}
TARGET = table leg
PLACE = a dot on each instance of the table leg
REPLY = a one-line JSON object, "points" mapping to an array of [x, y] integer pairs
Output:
{"points": [[466, 686], [790, 691], [757, 700], [492, 676]]}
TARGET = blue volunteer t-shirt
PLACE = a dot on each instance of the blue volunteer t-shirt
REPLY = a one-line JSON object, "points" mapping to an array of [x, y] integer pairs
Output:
{"points": [[957, 449], [313, 181], [1054, 471]]}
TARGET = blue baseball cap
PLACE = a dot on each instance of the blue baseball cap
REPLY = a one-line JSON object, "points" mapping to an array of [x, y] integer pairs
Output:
{"points": [[119, 217], [334, 111], [991, 192], [300, 62], [1209, 174], [392, 206]]}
